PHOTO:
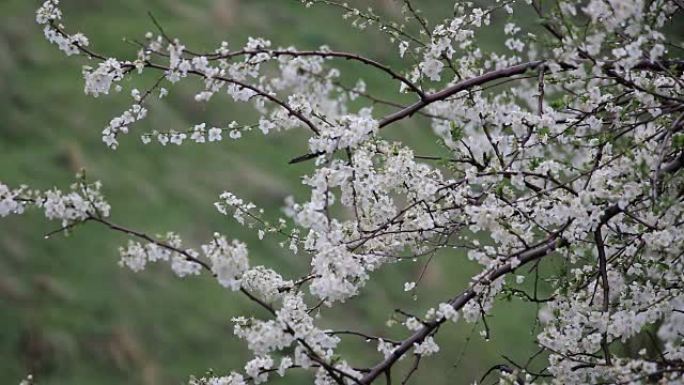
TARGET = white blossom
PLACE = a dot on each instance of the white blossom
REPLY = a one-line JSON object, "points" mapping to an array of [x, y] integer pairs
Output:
{"points": [[426, 348]]}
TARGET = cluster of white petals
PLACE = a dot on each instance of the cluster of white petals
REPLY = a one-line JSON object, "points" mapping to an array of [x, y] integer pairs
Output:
{"points": [[167, 248], [82, 202]]}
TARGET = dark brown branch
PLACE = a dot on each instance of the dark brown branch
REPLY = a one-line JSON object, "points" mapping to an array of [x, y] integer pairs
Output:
{"points": [[331, 54], [250, 87], [413, 370], [646, 65], [441, 95], [531, 254], [598, 238], [458, 87]]}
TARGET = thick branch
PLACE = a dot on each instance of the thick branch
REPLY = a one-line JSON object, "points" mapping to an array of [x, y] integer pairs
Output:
{"points": [[458, 87], [459, 301], [603, 267], [645, 65], [495, 75]]}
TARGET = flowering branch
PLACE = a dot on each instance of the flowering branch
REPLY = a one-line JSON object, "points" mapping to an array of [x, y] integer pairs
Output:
{"points": [[565, 141]]}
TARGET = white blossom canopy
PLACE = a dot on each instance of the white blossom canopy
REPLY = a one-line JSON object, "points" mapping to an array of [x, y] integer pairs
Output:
{"points": [[576, 157]]}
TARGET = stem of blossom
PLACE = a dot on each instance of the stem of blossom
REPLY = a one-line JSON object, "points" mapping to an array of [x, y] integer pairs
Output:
{"points": [[335, 54], [63, 229], [250, 87], [550, 28], [540, 106], [661, 154], [362, 335], [148, 238], [414, 368], [598, 238], [630, 84], [674, 165]]}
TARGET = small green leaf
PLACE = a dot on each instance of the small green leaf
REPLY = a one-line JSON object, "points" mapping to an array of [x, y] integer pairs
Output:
{"points": [[678, 141], [456, 131]]}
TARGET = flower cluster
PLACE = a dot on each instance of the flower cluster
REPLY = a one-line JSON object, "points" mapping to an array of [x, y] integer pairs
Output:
{"points": [[84, 201], [100, 80], [168, 248], [198, 134], [49, 15], [228, 261]]}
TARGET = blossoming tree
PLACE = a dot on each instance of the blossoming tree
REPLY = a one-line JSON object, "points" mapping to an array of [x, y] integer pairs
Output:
{"points": [[576, 157]]}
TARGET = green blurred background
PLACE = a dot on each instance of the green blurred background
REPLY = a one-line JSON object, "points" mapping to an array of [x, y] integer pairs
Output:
{"points": [[70, 315]]}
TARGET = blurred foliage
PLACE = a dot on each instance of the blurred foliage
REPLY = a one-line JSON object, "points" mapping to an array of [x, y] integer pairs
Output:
{"points": [[70, 315]]}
